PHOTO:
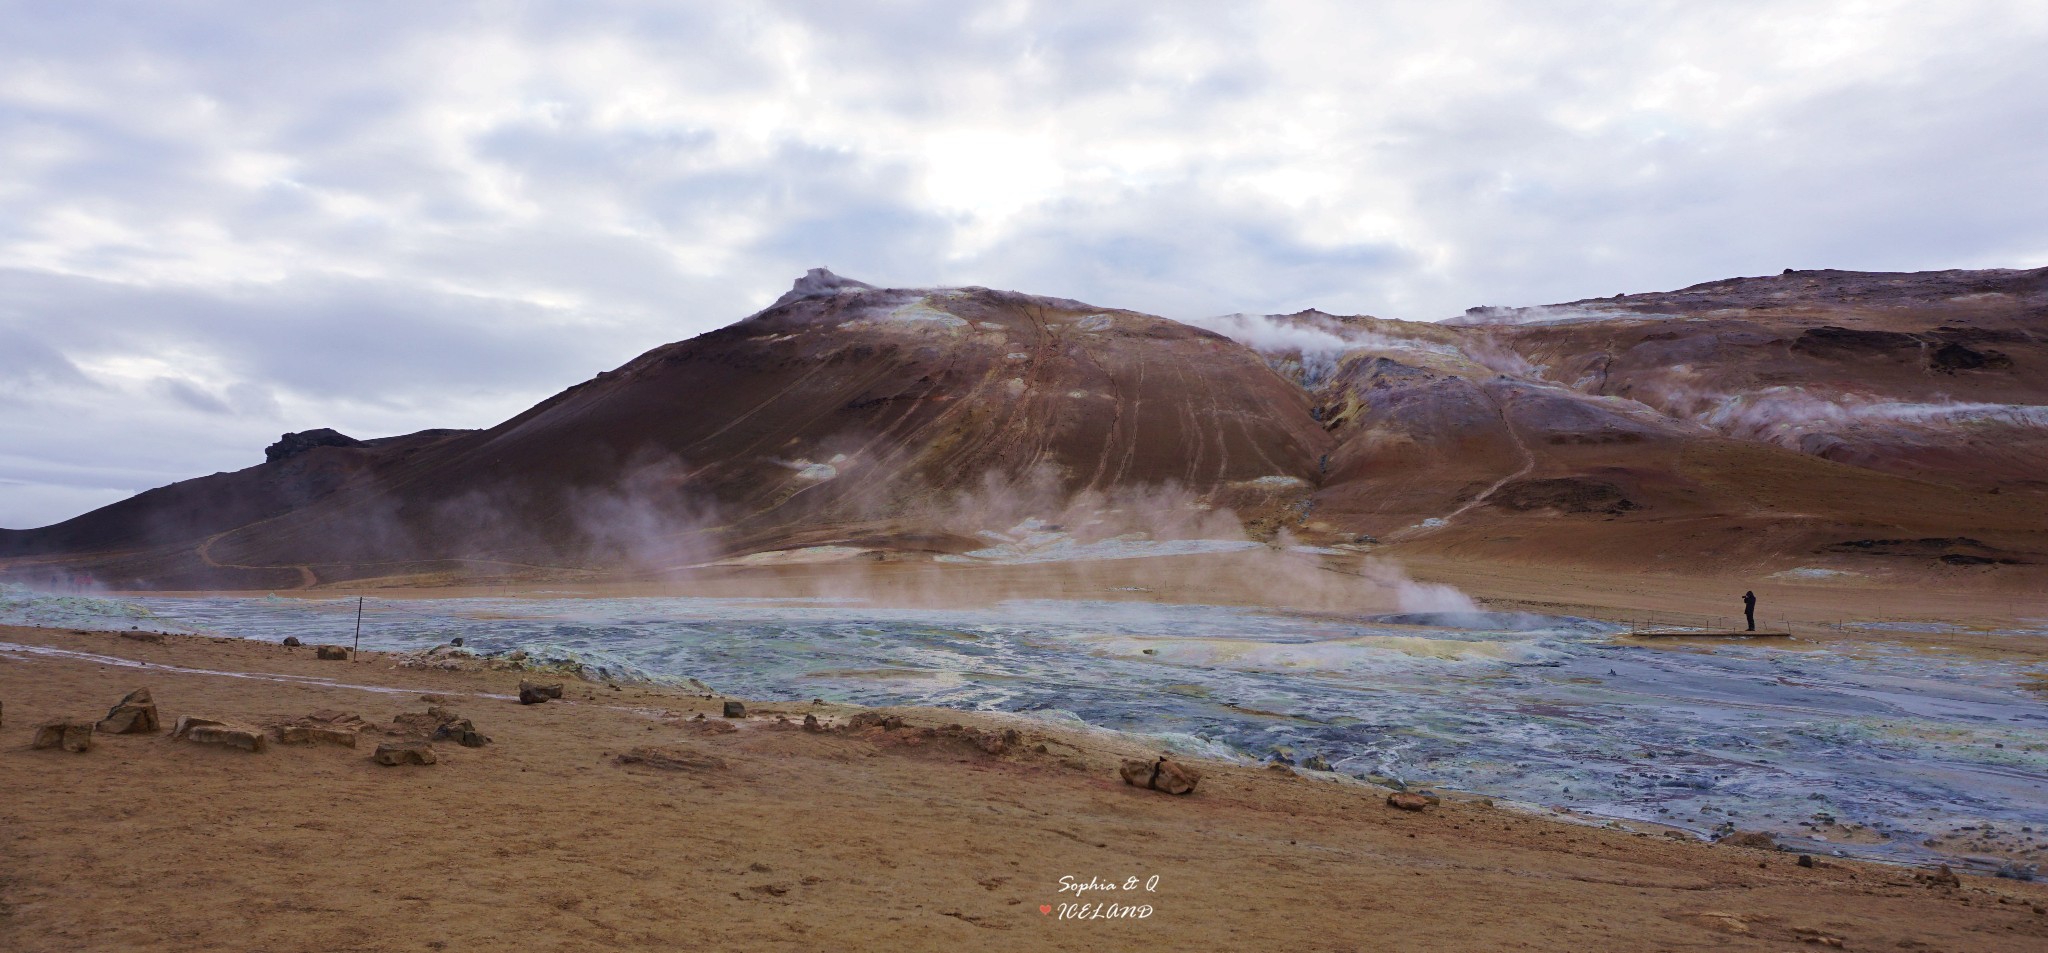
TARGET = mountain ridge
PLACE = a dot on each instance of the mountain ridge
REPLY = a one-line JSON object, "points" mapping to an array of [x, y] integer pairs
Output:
{"points": [[896, 422]]}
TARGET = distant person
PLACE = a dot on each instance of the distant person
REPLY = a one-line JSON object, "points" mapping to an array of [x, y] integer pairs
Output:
{"points": [[1749, 609]]}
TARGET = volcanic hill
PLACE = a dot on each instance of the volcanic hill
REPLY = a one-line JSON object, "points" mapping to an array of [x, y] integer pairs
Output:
{"points": [[1868, 422]]}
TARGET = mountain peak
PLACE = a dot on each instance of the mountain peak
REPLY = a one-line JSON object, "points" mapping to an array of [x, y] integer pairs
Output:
{"points": [[820, 283]]}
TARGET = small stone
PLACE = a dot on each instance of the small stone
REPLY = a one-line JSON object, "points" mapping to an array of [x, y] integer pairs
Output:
{"points": [[1942, 877], [133, 715], [1316, 762], [1806, 860], [71, 734], [331, 653], [735, 710], [395, 753], [811, 724], [1409, 800], [292, 641], [533, 693]]}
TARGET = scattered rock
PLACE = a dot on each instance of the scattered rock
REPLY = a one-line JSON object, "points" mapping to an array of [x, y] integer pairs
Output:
{"points": [[207, 731], [332, 653], [672, 759], [735, 710], [1941, 877], [1755, 839], [1409, 800], [304, 734], [134, 715], [874, 719], [1000, 742], [1165, 775], [395, 753], [461, 732], [1316, 762], [292, 641], [71, 734], [533, 693]]}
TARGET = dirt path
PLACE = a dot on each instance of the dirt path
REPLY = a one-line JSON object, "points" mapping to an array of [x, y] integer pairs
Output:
{"points": [[1528, 464]]}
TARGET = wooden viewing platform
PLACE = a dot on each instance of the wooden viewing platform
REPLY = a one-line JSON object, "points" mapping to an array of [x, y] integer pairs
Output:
{"points": [[1708, 634]]}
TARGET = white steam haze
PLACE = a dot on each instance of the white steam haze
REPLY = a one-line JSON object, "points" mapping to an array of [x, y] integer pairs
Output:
{"points": [[220, 222]]}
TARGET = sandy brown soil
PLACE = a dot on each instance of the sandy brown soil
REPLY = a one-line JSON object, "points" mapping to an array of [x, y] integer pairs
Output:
{"points": [[774, 838]]}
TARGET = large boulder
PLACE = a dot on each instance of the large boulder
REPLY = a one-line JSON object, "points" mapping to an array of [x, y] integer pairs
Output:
{"points": [[71, 734], [208, 731], [395, 753], [134, 715], [1164, 774]]}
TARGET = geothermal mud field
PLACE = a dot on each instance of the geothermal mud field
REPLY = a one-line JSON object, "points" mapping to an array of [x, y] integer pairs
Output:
{"points": [[1882, 752]]}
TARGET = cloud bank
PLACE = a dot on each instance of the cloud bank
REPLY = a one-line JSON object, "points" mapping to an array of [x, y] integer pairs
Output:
{"points": [[220, 221]]}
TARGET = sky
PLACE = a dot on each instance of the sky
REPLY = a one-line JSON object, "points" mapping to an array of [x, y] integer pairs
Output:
{"points": [[223, 221]]}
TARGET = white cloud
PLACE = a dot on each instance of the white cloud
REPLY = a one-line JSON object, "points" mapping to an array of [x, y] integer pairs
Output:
{"points": [[386, 218]]}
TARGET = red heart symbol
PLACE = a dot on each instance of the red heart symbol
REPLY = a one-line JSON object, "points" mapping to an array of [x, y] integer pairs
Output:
{"points": [[1045, 908]]}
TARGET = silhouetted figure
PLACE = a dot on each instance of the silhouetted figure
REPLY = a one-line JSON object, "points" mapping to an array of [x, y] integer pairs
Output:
{"points": [[1749, 609]]}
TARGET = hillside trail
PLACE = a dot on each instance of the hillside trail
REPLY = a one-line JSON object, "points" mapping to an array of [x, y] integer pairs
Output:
{"points": [[1433, 524], [307, 578]]}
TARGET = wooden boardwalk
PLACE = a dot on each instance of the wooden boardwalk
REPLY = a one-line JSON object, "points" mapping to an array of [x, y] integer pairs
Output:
{"points": [[1707, 634]]}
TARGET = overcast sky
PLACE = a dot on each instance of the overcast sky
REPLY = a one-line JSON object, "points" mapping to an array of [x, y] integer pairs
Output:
{"points": [[220, 222]]}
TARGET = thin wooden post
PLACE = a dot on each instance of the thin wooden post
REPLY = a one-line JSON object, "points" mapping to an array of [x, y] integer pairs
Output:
{"points": [[359, 627]]}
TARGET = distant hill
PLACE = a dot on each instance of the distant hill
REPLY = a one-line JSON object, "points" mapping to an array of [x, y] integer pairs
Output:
{"points": [[1881, 422]]}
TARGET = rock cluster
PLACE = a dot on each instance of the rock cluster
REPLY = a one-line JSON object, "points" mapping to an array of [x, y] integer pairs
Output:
{"points": [[1164, 774], [439, 724]]}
